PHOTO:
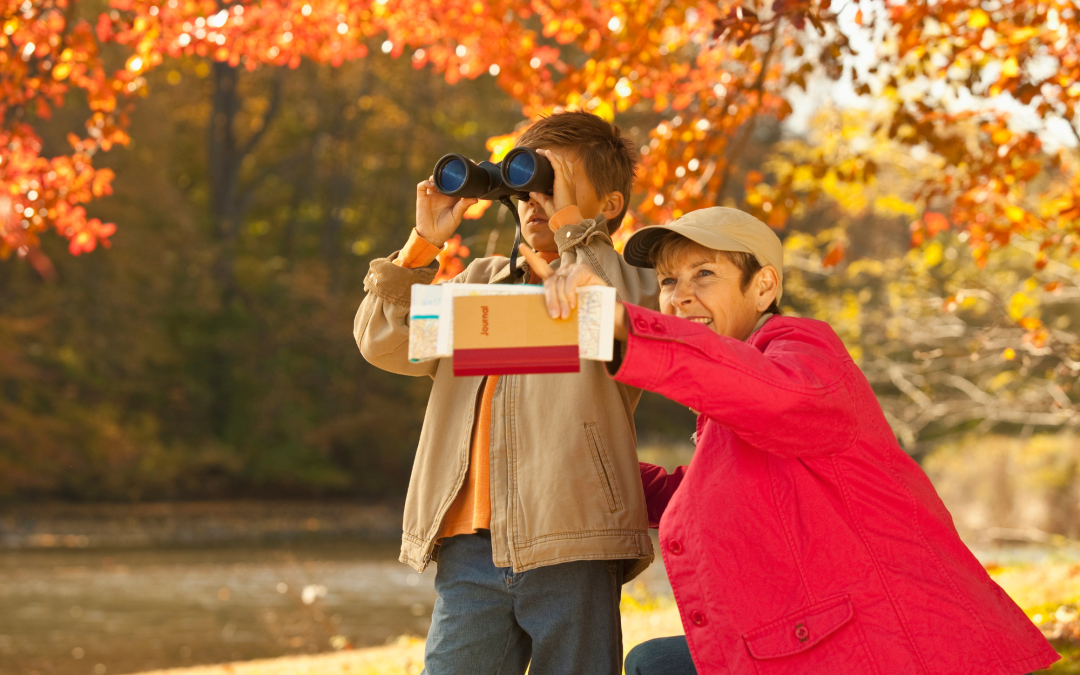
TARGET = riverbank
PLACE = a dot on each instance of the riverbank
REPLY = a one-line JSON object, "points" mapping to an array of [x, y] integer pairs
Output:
{"points": [[1049, 592], [170, 524]]}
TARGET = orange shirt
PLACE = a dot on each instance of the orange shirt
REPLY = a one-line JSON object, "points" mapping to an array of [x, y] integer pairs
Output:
{"points": [[471, 509]]}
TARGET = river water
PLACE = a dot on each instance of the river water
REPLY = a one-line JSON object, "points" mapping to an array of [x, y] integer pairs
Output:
{"points": [[108, 612], [92, 611]]}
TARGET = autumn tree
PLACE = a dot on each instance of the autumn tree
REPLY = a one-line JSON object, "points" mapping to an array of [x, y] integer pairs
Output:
{"points": [[46, 53], [943, 84], [711, 72]]}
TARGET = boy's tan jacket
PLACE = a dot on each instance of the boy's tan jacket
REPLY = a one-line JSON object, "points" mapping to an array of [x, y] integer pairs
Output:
{"points": [[565, 483]]}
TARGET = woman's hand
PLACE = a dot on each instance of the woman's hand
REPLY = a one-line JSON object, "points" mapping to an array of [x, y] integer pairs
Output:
{"points": [[560, 288], [438, 216]]}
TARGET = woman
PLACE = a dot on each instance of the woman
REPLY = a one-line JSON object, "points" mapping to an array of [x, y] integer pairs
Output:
{"points": [[801, 538]]}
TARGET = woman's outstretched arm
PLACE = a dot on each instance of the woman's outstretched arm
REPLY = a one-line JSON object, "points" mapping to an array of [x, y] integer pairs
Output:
{"points": [[793, 398]]}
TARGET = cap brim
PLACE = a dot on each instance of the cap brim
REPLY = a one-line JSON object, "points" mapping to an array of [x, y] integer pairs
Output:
{"points": [[637, 247]]}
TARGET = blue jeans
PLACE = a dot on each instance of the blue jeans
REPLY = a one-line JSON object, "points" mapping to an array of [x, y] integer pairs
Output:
{"points": [[662, 656], [490, 621]]}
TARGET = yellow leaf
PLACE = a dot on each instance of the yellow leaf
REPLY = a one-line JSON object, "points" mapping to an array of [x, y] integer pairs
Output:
{"points": [[61, 71], [1001, 136], [979, 19], [477, 209], [605, 111], [134, 63], [933, 254], [500, 145], [1004, 377], [1009, 354], [1014, 213], [1019, 304], [1022, 35], [1011, 67]]}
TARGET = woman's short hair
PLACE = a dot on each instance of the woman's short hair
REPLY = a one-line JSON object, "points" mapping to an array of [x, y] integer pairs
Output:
{"points": [[672, 246]]}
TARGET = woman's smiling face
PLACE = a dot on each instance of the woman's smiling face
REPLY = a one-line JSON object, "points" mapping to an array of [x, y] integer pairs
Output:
{"points": [[704, 286]]}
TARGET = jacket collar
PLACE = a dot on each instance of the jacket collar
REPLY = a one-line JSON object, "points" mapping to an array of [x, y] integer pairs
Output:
{"points": [[760, 322], [523, 265]]}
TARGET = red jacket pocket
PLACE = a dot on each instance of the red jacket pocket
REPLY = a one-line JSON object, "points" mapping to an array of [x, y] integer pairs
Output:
{"points": [[799, 631]]}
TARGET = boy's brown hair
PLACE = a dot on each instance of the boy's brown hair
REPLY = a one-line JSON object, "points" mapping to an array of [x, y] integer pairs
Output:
{"points": [[610, 158]]}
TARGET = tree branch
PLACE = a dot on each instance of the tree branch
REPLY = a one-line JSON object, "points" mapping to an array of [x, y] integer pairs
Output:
{"points": [[897, 377], [268, 117], [734, 151]]}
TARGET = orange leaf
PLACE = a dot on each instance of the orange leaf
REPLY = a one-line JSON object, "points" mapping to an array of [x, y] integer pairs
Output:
{"points": [[477, 209], [935, 222], [834, 256]]}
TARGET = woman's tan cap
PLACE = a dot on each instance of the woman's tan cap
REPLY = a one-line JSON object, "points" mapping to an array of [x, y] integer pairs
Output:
{"points": [[718, 228]]}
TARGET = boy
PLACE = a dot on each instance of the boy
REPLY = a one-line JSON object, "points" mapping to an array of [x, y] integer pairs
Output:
{"points": [[525, 487]]}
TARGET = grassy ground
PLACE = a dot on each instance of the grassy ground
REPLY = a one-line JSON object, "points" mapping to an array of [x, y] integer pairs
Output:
{"points": [[1048, 592], [1050, 595]]}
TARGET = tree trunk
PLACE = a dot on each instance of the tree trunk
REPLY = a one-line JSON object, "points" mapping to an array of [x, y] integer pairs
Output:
{"points": [[224, 157]]}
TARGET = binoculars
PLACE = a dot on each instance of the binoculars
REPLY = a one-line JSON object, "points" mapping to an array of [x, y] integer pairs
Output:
{"points": [[522, 171]]}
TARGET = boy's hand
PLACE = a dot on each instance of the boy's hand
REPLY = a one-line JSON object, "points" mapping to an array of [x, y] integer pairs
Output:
{"points": [[560, 286], [565, 192], [437, 215]]}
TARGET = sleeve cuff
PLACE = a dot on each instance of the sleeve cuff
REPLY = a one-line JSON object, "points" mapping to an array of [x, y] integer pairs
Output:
{"points": [[567, 215], [580, 233], [418, 252], [645, 354], [393, 283]]}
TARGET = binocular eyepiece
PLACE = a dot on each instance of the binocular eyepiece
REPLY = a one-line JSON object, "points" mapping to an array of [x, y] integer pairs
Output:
{"points": [[522, 171]]}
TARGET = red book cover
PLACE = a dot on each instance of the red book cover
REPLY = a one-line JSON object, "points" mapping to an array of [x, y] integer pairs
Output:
{"points": [[512, 335]]}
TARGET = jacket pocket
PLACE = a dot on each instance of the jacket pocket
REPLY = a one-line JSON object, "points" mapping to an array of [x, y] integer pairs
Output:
{"points": [[603, 468], [822, 637]]}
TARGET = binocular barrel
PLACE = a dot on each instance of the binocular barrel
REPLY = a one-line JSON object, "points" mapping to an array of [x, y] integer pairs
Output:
{"points": [[522, 171], [526, 171]]}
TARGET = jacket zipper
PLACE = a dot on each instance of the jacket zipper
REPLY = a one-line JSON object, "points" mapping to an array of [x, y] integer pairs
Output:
{"points": [[506, 540], [442, 513]]}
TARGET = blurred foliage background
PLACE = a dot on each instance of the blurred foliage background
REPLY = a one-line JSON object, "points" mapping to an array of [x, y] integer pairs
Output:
{"points": [[208, 352], [146, 372]]}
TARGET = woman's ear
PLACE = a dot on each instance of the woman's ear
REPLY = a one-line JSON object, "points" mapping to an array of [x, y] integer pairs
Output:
{"points": [[613, 204], [766, 285]]}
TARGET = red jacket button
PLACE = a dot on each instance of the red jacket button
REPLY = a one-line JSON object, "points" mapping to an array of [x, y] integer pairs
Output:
{"points": [[802, 633], [698, 618], [657, 327], [641, 324], [675, 547]]}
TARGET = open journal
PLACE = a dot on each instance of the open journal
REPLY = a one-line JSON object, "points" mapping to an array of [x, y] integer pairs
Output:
{"points": [[490, 329]]}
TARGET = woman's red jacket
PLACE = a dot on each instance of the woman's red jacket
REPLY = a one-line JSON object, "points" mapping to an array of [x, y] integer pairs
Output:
{"points": [[801, 538]]}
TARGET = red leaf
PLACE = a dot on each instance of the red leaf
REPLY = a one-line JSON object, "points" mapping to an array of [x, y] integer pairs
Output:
{"points": [[834, 256]]}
